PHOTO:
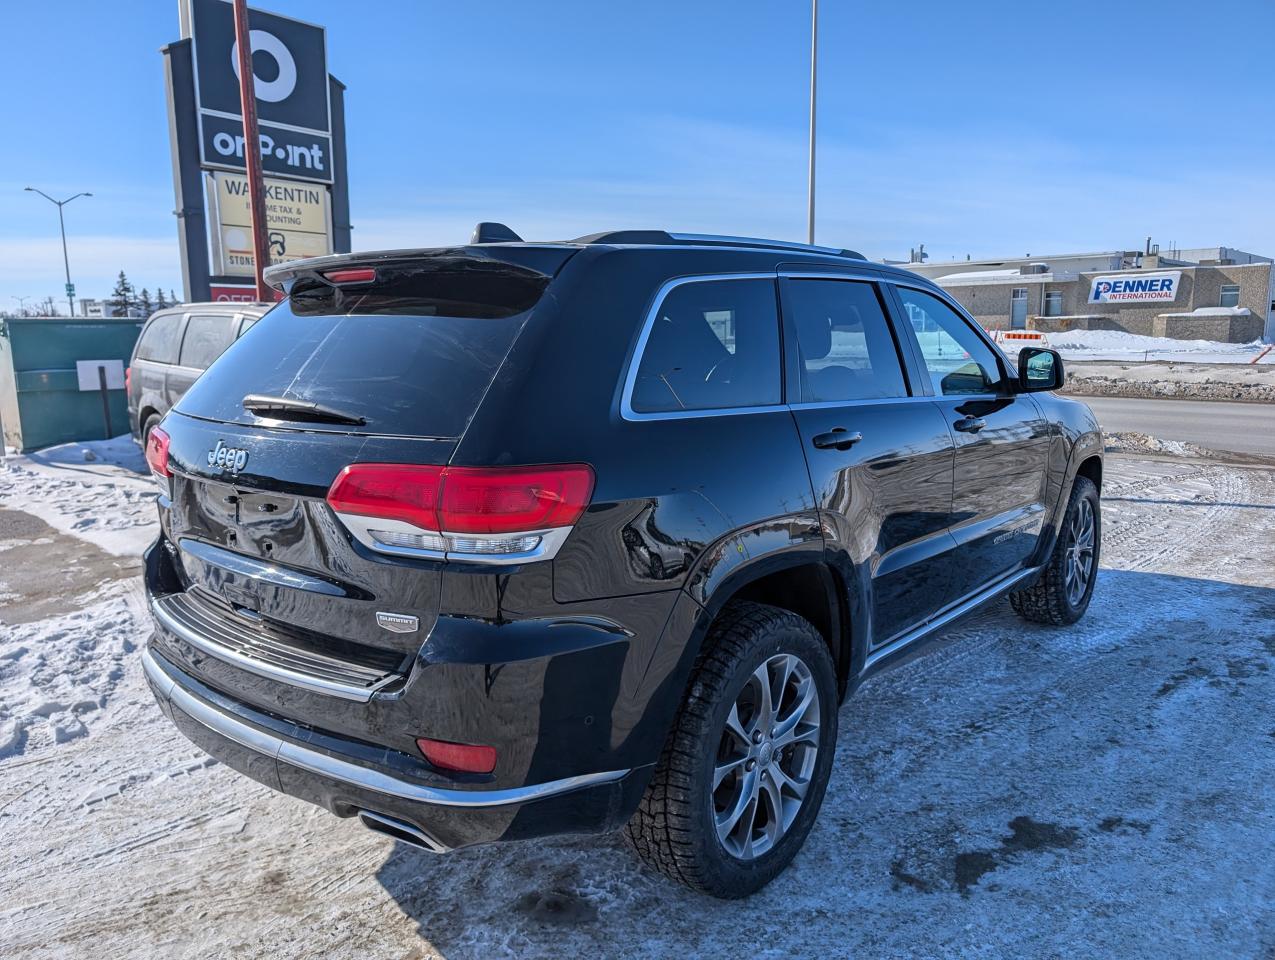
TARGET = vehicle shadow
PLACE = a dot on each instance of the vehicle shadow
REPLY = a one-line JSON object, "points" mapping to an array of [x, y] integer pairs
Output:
{"points": [[1102, 789]]}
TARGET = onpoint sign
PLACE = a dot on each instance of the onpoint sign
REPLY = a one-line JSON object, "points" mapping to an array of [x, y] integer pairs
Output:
{"points": [[290, 78], [1140, 287]]}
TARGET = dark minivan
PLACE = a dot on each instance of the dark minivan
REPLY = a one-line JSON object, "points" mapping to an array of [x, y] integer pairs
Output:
{"points": [[175, 347], [515, 539]]}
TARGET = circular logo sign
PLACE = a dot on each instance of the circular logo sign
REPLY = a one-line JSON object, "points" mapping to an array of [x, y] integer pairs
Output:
{"points": [[281, 87]]}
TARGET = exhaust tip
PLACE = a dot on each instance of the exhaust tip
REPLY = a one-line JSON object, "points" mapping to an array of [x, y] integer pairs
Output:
{"points": [[401, 831]]}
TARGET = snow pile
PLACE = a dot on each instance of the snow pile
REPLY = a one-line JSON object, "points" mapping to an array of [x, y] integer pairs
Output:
{"points": [[57, 674], [1118, 345], [100, 491]]}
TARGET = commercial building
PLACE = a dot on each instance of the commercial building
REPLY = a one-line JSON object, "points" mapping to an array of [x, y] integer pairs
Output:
{"points": [[1211, 293]]}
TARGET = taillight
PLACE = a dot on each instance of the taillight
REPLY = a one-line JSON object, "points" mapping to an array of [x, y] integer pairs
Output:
{"points": [[157, 452], [467, 758], [468, 513], [128, 379]]}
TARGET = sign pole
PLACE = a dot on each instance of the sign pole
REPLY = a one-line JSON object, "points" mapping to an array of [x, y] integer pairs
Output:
{"points": [[252, 149], [106, 400]]}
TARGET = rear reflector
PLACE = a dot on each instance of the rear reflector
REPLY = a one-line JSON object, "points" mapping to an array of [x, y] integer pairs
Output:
{"points": [[463, 757], [350, 275], [157, 452]]}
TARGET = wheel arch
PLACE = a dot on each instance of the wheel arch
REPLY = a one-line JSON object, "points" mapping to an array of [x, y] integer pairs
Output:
{"points": [[800, 581]]}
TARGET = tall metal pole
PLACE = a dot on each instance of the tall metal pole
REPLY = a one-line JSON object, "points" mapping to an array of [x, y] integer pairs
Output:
{"points": [[66, 262], [814, 62], [252, 150]]}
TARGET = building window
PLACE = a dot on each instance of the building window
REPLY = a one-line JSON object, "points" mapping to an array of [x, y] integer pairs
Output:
{"points": [[1053, 303], [1230, 295]]}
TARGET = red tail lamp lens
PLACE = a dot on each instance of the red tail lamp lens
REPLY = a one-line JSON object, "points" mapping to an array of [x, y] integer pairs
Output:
{"points": [[513, 500], [389, 491], [462, 757], [351, 275], [157, 452], [465, 499]]}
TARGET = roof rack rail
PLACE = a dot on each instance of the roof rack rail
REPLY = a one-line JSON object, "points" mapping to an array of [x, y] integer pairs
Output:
{"points": [[709, 239]]}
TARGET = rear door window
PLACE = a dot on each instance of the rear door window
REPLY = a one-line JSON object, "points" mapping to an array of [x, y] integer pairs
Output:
{"points": [[411, 354], [844, 343], [161, 339], [206, 337], [712, 345]]}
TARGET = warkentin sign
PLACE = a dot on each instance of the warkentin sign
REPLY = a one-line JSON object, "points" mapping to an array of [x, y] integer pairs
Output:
{"points": [[1140, 288]]}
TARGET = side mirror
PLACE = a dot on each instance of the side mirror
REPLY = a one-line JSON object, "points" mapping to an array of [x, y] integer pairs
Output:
{"points": [[1039, 369]]}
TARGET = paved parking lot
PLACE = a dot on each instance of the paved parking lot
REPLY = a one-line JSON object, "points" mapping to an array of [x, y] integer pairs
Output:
{"points": [[1104, 790]]}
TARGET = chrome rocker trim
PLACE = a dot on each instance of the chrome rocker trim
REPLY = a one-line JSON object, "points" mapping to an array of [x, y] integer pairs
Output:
{"points": [[351, 773]]}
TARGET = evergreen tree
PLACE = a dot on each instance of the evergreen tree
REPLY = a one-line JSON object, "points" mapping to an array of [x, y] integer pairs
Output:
{"points": [[144, 301], [161, 301], [172, 297], [122, 297]]}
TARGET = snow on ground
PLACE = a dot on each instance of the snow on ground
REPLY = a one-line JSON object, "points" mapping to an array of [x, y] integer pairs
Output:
{"points": [[99, 491], [1118, 345], [1106, 789]]}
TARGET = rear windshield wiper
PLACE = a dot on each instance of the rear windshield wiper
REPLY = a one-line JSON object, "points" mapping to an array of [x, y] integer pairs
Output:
{"points": [[286, 408]]}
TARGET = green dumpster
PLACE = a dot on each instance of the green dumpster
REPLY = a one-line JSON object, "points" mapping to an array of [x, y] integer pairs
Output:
{"points": [[51, 372]]}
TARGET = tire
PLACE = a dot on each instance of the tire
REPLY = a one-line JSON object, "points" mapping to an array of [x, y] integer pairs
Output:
{"points": [[1054, 598], [151, 423], [675, 828]]}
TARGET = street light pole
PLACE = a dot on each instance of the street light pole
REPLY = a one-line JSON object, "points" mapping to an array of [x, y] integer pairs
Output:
{"points": [[66, 262], [814, 61]]}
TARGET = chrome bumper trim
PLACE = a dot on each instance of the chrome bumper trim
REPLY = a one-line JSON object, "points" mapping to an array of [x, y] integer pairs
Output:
{"points": [[213, 649], [351, 773]]}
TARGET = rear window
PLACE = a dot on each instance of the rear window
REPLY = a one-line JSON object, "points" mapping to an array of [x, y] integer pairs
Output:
{"points": [[412, 354], [161, 338]]}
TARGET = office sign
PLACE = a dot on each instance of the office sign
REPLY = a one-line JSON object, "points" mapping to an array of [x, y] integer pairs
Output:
{"points": [[298, 221], [290, 76], [1136, 287]]}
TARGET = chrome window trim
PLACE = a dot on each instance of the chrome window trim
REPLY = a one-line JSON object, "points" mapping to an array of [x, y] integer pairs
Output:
{"points": [[635, 361], [329, 766]]}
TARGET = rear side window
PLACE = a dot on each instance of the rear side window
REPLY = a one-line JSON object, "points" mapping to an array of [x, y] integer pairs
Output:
{"points": [[411, 354], [161, 339], [713, 344], [206, 337], [844, 342]]}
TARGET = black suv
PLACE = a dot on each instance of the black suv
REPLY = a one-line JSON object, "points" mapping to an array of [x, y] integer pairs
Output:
{"points": [[514, 539]]}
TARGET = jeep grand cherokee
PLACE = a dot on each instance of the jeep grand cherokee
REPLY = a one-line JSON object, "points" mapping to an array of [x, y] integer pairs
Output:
{"points": [[515, 539]]}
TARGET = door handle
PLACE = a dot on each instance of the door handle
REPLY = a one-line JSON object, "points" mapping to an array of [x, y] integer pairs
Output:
{"points": [[970, 424], [838, 438]]}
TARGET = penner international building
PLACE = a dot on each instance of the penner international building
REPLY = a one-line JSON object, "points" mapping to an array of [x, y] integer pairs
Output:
{"points": [[1214, 293]]}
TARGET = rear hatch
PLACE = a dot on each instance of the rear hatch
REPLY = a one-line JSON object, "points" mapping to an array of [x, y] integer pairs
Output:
{"points": [[386, 370]]}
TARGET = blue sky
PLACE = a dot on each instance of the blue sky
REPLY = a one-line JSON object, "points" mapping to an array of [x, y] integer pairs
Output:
{"points": [[983, 128]]}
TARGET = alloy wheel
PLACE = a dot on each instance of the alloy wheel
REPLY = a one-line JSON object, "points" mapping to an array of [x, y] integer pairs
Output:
{"points": [[1081, 532], [766, 756]]}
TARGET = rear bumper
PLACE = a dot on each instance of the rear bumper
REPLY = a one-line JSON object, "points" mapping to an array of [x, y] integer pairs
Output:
{"points": [[341, 777]]}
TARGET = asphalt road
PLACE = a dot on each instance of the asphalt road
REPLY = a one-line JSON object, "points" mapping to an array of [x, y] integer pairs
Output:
{"points": [[1237, 427]]}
